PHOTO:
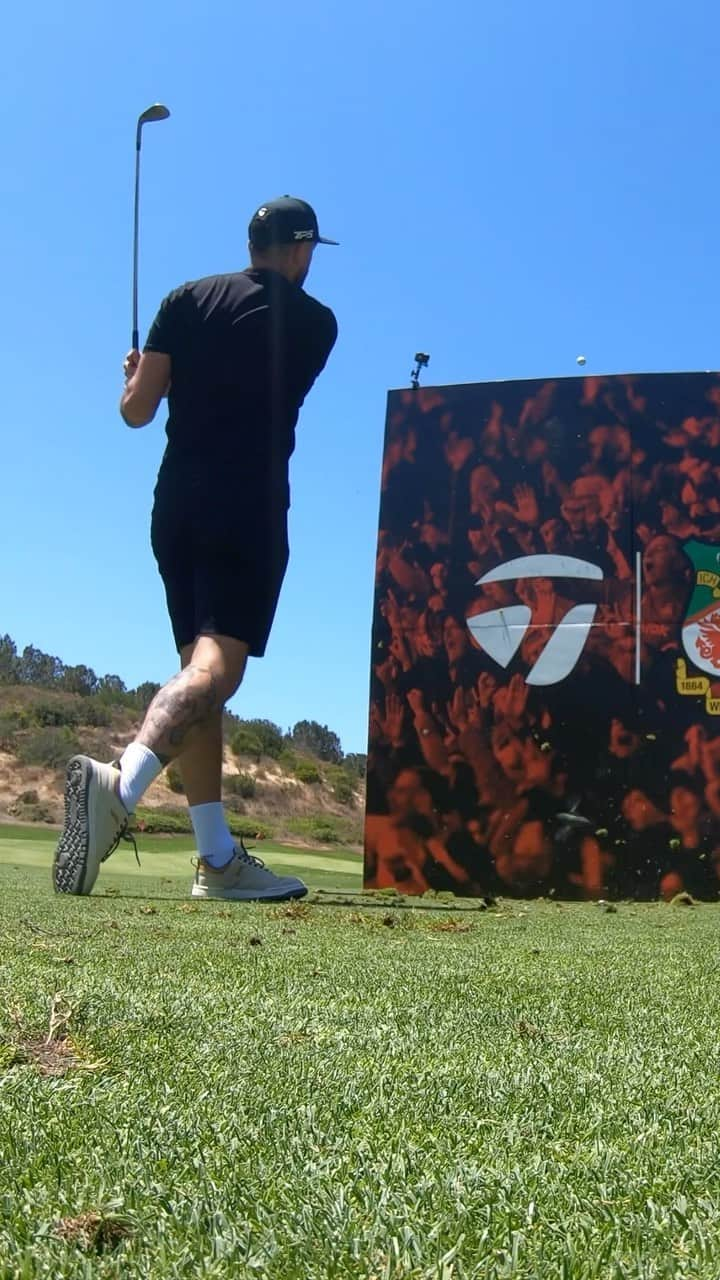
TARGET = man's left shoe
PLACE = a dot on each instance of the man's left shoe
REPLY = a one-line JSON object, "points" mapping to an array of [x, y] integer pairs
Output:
{"points": [[96, 821]]}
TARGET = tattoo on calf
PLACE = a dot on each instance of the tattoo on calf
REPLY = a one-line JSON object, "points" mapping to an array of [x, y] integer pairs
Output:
{"points": [[183, 703]]}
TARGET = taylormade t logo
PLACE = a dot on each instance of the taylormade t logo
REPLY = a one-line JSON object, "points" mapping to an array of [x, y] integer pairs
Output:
{"points": [[500, 632]]}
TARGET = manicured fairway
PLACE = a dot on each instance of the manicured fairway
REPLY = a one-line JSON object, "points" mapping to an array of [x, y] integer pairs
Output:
{"points": [[170, 858], [312, 1091]]}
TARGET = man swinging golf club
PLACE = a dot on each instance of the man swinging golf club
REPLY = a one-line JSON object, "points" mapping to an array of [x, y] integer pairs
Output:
{"points": [[236, 354]]}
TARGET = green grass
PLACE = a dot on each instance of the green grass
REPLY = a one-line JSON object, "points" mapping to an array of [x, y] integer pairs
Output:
{"points": [[307, 1092], [166, 862]]}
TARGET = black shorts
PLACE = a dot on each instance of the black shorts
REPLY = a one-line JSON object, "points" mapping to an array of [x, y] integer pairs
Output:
{"points": [[222, 571]]}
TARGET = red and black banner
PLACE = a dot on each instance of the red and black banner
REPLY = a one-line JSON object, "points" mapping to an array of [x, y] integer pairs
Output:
{"points": [[545, 698]]}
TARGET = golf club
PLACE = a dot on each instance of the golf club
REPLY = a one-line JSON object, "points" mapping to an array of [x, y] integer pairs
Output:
{"points": [[156, 112]]}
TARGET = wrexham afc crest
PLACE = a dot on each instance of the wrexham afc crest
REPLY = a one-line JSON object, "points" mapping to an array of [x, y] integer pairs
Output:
{"points": [[701, 628]]}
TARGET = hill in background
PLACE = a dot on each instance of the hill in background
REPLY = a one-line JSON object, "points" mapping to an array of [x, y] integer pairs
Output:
{"points": [[291, 785]]}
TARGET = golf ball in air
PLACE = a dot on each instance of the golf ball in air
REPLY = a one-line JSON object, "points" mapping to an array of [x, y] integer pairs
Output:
{"points": [[580, 360]]}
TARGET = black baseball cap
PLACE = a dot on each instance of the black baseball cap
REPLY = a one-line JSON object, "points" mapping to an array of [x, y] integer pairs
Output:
{"points": [[286, 220]]}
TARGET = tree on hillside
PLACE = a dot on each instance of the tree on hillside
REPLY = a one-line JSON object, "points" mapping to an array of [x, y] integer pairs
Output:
{"points": [[145, 693], [356, 763], [8, 661], [243, 742], [36, 667], [316, 738], [110, 686], [112, 690], [80, 679], [269, 735]]}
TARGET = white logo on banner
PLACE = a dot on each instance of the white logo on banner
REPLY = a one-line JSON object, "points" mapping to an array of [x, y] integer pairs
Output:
{"points": [[500, 632]]}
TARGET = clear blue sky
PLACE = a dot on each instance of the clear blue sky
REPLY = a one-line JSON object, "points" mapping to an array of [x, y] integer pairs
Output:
{"points": [[513, 183]]}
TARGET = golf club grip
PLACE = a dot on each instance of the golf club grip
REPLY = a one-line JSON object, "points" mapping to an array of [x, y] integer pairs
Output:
{"points": [[135, 340]]}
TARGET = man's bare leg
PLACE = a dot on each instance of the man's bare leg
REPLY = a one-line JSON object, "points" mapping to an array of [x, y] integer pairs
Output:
{"points": [[180, 711], [201, 763], [201, 771], [182, 715], [100, 798]]}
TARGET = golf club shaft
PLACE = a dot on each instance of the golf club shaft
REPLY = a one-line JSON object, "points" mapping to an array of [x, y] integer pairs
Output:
{"points": [[135, 334]]}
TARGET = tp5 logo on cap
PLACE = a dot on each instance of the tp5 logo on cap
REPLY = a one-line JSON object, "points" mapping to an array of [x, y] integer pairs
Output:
{"points": [[286, 220]]}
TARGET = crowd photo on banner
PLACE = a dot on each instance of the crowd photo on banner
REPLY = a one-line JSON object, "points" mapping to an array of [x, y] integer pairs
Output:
{"points": [[545, 690]]}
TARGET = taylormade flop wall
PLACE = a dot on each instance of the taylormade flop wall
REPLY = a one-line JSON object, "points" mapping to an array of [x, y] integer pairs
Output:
{"points": [[545, 696]]}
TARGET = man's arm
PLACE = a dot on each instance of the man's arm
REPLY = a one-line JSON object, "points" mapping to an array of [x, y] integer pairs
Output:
{"points": [[317, 341], [147, 376], [147, 381]]}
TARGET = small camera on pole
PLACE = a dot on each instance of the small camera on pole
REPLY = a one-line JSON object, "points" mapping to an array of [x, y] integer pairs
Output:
{"points": [[421, 362]]}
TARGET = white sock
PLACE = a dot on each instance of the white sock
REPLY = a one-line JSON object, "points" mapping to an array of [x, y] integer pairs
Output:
{"points": [[215, 842], [139, 767]]}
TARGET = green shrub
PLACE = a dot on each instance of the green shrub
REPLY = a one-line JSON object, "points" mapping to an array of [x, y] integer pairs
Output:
{"points": [[343, 790], [70, 712], [246, 743], [342, 783], [95, 712], [240, 784], [27, 811], [28, 797], [29, 808], [269, 735], [163, 821], [318, 828], [306, 771], [177, 822], [50, 747], [17, 716], [55, 714], [174, 780], [325, 831], [10, 722], [287, 760], [255, 738], [248, 828]]}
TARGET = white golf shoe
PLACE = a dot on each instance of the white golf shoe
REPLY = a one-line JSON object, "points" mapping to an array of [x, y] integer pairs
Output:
{"points": [[245, 879], [95, 822]]}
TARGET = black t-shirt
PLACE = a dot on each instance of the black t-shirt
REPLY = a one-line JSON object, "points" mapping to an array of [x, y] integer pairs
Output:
{"points": [[245, 349]]}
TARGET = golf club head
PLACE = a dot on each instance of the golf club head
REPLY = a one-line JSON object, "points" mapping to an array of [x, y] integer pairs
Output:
{"points": [[156, 112]]}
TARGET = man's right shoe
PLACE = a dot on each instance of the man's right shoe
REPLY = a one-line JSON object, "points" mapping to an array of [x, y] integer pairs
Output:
{"points": [[245, 879], [95, 822]]}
